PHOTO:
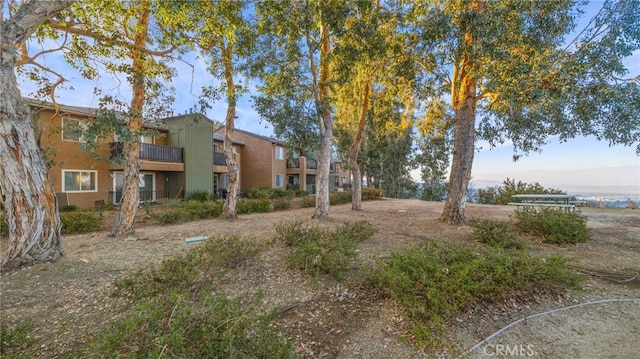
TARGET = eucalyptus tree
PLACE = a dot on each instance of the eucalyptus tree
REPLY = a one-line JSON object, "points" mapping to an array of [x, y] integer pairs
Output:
{"points": [[294, 68], [27, 194], [134, 38], [368, 57], [508, 62], [225, 37]]}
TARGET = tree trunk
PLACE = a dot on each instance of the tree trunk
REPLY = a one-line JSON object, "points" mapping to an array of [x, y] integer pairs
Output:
{"points": [[229, 209], [326, 128], [123, 224], [464, 104], [27, 194], [356, 194]]}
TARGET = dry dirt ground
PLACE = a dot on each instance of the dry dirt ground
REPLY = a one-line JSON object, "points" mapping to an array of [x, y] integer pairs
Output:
{"points": [[68, 300]]}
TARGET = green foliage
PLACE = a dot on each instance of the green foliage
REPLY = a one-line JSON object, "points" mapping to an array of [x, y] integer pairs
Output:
{"points": [[369, 193], [318, 251], [4, 226], [14, 341], [258, 193], [496, 234], [188, 211], [199, 196], [80, 222], [297, 193], [436, 280], [253, 206], [336, 198], [177, 309], [282, 204], [308, 201], [69, 208], [553, 225], [511, 187]]}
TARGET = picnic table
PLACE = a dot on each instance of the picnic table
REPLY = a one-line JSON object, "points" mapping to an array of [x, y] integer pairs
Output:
{"points": [[560, 201]]}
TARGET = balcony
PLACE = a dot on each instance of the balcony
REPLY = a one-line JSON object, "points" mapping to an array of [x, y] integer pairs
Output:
{"points": [[218, 159], [150, 152], [295, 163]]}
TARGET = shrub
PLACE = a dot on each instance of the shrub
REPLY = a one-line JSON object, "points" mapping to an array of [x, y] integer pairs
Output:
{"points": [[187, 211], [308, 201], [554, 226], [369, 193], [436, 280], [496, 234], [296, 192], [178, 311], [336, 198], [199, 196], [80, 222], [282, 204], [317, 251], [511, 187], [258, 193], [68, 208]]}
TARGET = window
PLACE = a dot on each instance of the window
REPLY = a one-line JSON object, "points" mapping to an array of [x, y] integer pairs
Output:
{"points": [[72, 130], [280, 180], [79, 181], [279, 153], [344, 179]]}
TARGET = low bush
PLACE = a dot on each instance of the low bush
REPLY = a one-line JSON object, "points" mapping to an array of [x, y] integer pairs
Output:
{"points": [[188, 211], [282, 204], [496, 234], [336, 198], [318, 251], [308, 201], [4, 226], [371, 193], [177, 311], [296, 193], [554, 226], [80, 222], [199, 196], [436, 280], [68, 208], [258, 193]]}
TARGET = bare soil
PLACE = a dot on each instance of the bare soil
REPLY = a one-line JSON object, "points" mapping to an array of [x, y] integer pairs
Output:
{"points": [[68, 301]]}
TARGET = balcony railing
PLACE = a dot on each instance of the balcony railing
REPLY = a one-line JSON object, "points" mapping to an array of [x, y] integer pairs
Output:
{"points": [[152, 152], [218, 159], [293, 163], [312, 164]]}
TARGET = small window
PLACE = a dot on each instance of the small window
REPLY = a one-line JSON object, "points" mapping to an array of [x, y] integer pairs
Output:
{"points": [[79, 181], [280, 180], [279, 153], [72, 130], [344, 179]]}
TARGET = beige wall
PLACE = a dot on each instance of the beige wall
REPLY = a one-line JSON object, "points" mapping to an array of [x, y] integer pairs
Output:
{"points": [[67, 155], [259, 166]]}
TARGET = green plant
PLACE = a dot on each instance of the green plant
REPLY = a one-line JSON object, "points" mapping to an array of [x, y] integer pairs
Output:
{"points": [[178, 311], [336, 198], [282, 204], [199, 196], [14, 341], [496, 234], [371, 193], [68, 208], [4, 226], [258, 193], [554, 226], [317, 251], [436, 280], [511, 187], [80, 222], [308, 201], [147, 207]]}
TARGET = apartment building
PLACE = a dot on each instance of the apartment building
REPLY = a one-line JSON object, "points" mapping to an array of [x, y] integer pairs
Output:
{"points": [[180, 155]]}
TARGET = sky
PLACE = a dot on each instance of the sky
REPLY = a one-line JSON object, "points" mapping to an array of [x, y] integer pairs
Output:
{"points": [[578, 165]]}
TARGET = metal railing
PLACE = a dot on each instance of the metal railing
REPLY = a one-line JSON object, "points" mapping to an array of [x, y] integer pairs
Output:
{"points": [[152, 152]]}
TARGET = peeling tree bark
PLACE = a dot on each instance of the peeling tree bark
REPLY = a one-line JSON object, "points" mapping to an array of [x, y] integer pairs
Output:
{"points": [[352, 161], [229, 209], [464, 105], [326, 128], [27, 194], [125, 220]]}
